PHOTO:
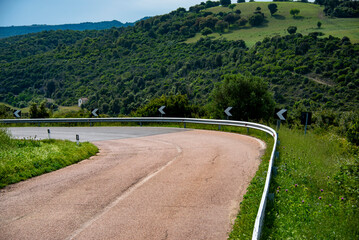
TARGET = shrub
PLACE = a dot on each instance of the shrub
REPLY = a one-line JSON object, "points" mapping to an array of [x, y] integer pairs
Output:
{"points": [[256, 19], [294, 12], [353, 133], [292, 29]]}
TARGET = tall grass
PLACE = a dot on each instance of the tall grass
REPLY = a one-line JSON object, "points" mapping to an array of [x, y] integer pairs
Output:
{"points": [[315, 196], [23, 159]]}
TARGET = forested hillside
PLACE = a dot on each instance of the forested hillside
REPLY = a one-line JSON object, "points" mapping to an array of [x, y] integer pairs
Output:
{"points": [[21, 30], [121, 69]]}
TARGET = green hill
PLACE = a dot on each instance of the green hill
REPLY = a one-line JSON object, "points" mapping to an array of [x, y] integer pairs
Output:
{"points": [[20, 30], [122, 69], [277, 24]]}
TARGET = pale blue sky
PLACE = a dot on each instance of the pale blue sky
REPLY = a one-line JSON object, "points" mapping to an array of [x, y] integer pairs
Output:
{"points": [[28, 12]]}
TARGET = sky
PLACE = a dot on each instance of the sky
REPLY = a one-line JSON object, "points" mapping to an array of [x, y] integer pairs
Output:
{"points": [[52, 12]]}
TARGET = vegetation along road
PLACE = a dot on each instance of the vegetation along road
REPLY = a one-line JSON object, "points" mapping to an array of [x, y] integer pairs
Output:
{"points": [[153, 187]]}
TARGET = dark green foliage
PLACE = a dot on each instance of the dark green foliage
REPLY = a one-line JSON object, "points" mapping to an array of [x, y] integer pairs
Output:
{"points": [[353, 133], [231, 18], [241, 1], [221, 26], [248, 95], [256, 20], [242, 21], [36, 112], [294, 12], [273, 8], [206, 31], [319, 24], [176, 106], [225, 3], [232, 6], [292, 29], [340, 8]]}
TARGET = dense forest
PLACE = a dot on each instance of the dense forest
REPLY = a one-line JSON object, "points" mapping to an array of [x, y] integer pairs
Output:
{"points": [[121, 69]]}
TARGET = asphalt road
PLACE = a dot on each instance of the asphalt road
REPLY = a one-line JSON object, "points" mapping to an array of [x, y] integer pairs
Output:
{"points": [[90, 134], [179, 185]]}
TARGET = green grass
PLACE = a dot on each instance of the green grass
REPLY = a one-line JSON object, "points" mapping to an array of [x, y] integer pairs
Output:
{"points": [[306, 22], [23, 159], [244, 223], [316, 189]]}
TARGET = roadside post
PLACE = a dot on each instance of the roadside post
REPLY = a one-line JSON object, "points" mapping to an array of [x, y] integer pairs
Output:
{"points": [[281, 115], [48, 133], [77, 139], [17, 113], [306, 119], [227, 112], [161, 110]]}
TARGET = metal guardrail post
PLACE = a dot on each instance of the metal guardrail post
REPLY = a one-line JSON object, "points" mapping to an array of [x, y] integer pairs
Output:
{"points": [[261, 211]]}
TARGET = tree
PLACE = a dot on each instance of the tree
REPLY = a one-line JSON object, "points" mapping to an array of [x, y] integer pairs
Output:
{"points": [[206, 31], [273, 8], [225, 3], [221, 26], [294, 12], [353, 133], [242, 21], [35, 112], [256, 19], [248, 95], [292, 29], [176, 106], [50, 87], [231, 18], [232, 6], [241, 1], [319, 24]]}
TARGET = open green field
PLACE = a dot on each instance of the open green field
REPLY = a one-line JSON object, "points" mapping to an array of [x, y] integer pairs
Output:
{"points": [[277, 24]]}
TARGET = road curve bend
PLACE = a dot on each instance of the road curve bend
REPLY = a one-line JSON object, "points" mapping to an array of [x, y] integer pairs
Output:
{"points": [[183, 185]]}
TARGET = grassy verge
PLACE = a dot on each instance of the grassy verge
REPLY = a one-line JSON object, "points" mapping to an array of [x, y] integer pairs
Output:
{"points": [[244, 223], [23, 159], [316, 189]]}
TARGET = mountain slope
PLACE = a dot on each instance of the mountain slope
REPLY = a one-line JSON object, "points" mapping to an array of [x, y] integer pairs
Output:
{"points": [[277, 24], [21, 30], [121, 69]]}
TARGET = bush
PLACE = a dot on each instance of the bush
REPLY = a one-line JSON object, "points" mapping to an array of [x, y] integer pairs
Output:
{"points": [[256, 19], [353, 133], [248, 95], [292, 29]]}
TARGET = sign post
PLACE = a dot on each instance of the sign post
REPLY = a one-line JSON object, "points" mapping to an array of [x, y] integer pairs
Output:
{"points": [[94, 112], [227, 112], [281, 115], [17, 113], [161, 110], [306, 119]]}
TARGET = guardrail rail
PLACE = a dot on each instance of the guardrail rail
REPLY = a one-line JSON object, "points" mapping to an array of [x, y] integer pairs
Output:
{"points": [[261, 210]]}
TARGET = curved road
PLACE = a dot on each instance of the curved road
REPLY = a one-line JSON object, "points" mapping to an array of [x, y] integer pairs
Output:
{"points": [[160, 184]]}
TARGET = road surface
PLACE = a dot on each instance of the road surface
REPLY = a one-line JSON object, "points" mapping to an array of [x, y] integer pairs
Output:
{"points": [[178, 185]]}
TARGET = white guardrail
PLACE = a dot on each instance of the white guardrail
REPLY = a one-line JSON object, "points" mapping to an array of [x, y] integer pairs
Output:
{"points": [[261, 211]]}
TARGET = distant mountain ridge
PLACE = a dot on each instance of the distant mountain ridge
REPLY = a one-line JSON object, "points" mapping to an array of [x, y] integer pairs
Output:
{"points": [[21, 30]]}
